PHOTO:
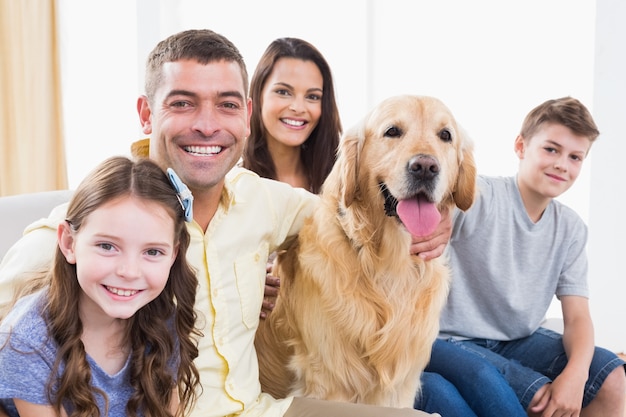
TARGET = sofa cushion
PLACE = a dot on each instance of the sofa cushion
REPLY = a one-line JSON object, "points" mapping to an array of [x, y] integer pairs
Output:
{"points": [[18, 211]]}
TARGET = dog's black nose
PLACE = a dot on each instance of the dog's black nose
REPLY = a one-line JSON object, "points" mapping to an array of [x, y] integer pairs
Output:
{"points": [[423, 167]]}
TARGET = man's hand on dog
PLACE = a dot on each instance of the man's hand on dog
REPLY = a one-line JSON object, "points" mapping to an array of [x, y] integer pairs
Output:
{"points": [[432, 246]]}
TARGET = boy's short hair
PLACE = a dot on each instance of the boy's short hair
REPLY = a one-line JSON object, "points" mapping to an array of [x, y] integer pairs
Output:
{"points": [[566, 111]]}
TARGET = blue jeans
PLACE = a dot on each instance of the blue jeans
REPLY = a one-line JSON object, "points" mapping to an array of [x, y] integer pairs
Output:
{"points": [[440, 396], [480, 383], [533, 361]]}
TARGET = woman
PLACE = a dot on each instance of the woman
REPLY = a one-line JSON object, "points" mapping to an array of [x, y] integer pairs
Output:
{"points": [[294, 125]]}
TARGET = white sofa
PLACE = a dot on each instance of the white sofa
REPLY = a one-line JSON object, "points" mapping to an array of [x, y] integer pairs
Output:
{"points": [[18, 211]]}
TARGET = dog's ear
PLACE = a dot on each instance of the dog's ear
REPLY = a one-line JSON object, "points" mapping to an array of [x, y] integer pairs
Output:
{"points": [[465, 189], [349, 163]]}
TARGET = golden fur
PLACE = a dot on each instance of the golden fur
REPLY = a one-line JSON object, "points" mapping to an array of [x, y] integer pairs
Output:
{"points": [[357, 314]]}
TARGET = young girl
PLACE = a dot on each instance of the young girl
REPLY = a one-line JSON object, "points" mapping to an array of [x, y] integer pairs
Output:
{"points": [[112, 331]]}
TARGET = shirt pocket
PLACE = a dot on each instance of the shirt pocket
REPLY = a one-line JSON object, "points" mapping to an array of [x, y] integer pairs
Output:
{"points": [[250, 277]]}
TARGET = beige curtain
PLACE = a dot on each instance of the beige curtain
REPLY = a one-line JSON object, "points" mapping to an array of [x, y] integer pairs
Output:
{"points": [[32, 155]]}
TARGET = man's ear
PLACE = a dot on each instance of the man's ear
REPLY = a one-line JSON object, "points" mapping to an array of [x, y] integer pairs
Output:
{"points": [[65, 239], [249, 105], [143, 109]]}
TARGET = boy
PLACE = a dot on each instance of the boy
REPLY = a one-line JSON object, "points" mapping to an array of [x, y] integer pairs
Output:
{"points": [[510, 253]]}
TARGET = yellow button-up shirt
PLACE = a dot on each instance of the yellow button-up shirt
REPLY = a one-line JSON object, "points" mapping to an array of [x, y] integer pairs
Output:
{"points": [[254, 218]]}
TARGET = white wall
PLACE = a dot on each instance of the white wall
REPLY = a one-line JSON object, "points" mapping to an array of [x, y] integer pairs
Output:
{"points": [[99, 75], [490, 61], [607, 223]]}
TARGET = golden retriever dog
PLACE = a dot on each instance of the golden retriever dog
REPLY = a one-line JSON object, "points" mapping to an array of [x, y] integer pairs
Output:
{"points": [[357, 314]]}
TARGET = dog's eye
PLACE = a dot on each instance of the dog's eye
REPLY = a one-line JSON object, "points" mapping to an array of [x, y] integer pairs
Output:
{"points": [[445, 135], [393, 132]]}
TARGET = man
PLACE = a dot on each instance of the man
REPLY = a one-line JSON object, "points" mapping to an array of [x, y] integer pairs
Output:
{"points": [[196, 111]]}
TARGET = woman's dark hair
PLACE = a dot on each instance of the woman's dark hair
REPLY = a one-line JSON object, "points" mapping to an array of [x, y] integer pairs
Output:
{"points": [[319, 151]]}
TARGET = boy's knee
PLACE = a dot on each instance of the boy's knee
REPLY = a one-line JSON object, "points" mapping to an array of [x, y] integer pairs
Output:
{"points": [[616, 381]]}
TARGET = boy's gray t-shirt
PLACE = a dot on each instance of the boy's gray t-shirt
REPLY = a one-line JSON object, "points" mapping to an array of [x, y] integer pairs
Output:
{"points": [[26, 361], [505, 268]]}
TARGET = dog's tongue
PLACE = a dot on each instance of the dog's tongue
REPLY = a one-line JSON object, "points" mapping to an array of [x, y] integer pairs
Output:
{"points": [[418, 215]]}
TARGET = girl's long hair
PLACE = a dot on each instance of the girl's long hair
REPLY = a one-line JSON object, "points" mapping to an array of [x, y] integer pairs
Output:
{"points": [[149, 331], [319, 150]]}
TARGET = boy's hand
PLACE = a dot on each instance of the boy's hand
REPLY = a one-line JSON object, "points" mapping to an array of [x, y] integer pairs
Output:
{"points": [[540, 401], [561, 397], [567, 396], [432, 246]]}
